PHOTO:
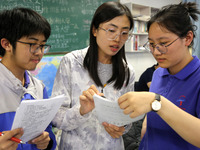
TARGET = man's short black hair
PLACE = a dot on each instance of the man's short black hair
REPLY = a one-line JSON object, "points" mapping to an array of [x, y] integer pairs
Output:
{"points": [[21, 22]]}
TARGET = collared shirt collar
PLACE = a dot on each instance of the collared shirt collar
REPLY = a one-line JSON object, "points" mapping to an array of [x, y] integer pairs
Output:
{"points": [[186, 71], [27, 80]]}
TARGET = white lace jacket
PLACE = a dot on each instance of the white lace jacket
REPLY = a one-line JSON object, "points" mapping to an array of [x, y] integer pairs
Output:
{"points": [[82, 132]]}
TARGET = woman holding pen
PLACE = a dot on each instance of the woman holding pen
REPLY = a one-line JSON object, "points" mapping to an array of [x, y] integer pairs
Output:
{"points": [[104, 65]]}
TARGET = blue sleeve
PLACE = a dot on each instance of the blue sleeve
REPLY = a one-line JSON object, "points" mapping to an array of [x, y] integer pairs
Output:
{"points": [[45, 94], [49, 128]]}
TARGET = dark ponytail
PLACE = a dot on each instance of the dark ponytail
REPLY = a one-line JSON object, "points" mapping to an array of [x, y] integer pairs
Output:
{"points": [[177, 18]]}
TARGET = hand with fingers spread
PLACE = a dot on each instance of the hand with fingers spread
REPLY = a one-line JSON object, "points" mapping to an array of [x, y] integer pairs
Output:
{"points": [[86, 100], [114, 131], [41, 141], [136, 103], [6, 143]]}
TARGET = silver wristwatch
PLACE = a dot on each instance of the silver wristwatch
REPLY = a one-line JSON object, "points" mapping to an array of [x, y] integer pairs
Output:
{"points": [[156, 104]]}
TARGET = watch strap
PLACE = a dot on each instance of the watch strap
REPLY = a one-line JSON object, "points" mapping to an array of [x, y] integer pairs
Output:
{"points": [[157, 97], [154, 103]]}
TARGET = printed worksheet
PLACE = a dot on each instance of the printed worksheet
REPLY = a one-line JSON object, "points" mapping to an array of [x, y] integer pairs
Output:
{"points": [[35, 115], [110, 112]]}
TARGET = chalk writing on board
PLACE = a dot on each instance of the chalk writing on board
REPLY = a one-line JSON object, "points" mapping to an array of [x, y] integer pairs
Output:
{"points": [[70, 20], [37, 5]]}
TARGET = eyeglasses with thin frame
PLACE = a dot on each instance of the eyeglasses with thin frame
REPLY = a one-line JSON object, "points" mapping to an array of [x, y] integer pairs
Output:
{"points": [[161, 47], [34, 48], [112, 34]]}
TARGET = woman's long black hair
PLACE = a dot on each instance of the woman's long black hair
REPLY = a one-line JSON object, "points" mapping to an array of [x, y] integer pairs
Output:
{"points": [[105, 13]]}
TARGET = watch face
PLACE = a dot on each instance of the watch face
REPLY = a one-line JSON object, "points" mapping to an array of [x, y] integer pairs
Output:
{"points": [[156, 105]]}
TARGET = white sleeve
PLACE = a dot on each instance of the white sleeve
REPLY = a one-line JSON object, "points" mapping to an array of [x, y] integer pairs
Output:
{"points": [[68, 117]]}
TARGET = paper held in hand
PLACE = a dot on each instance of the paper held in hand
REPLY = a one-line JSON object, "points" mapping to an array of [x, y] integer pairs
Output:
{"points": [[110, 112], [35, 115]]}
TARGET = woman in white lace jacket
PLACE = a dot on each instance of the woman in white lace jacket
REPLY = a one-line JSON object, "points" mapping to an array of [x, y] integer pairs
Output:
{"points": [[102, 64]]}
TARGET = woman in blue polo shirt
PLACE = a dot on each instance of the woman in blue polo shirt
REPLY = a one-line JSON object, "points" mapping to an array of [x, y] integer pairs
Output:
{"points": [[173, 113]]}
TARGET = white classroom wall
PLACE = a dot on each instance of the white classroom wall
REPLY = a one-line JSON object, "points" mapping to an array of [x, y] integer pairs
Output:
{"points": [[142, 60]]}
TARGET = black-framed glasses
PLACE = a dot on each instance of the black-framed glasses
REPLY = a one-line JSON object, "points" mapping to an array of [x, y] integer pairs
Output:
{"points": [[162, 48], [112, 34], [34, 48]]}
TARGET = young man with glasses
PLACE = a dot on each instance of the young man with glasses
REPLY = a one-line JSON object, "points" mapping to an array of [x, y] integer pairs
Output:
{"points": [[173, 103], [23, 36]]}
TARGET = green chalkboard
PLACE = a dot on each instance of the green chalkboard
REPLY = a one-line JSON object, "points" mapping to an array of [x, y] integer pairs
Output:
{"points": [[70, 20]]}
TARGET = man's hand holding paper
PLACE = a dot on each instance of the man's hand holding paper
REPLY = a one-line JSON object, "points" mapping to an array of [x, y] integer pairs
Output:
{"points": [[34, 116]]}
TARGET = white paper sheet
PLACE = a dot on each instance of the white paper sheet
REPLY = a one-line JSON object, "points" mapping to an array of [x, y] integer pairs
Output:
{"points": [[110, 112], [35, 115]]}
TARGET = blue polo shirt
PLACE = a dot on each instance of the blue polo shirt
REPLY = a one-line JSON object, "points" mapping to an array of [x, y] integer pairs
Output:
{"points": [[182, 89]]}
